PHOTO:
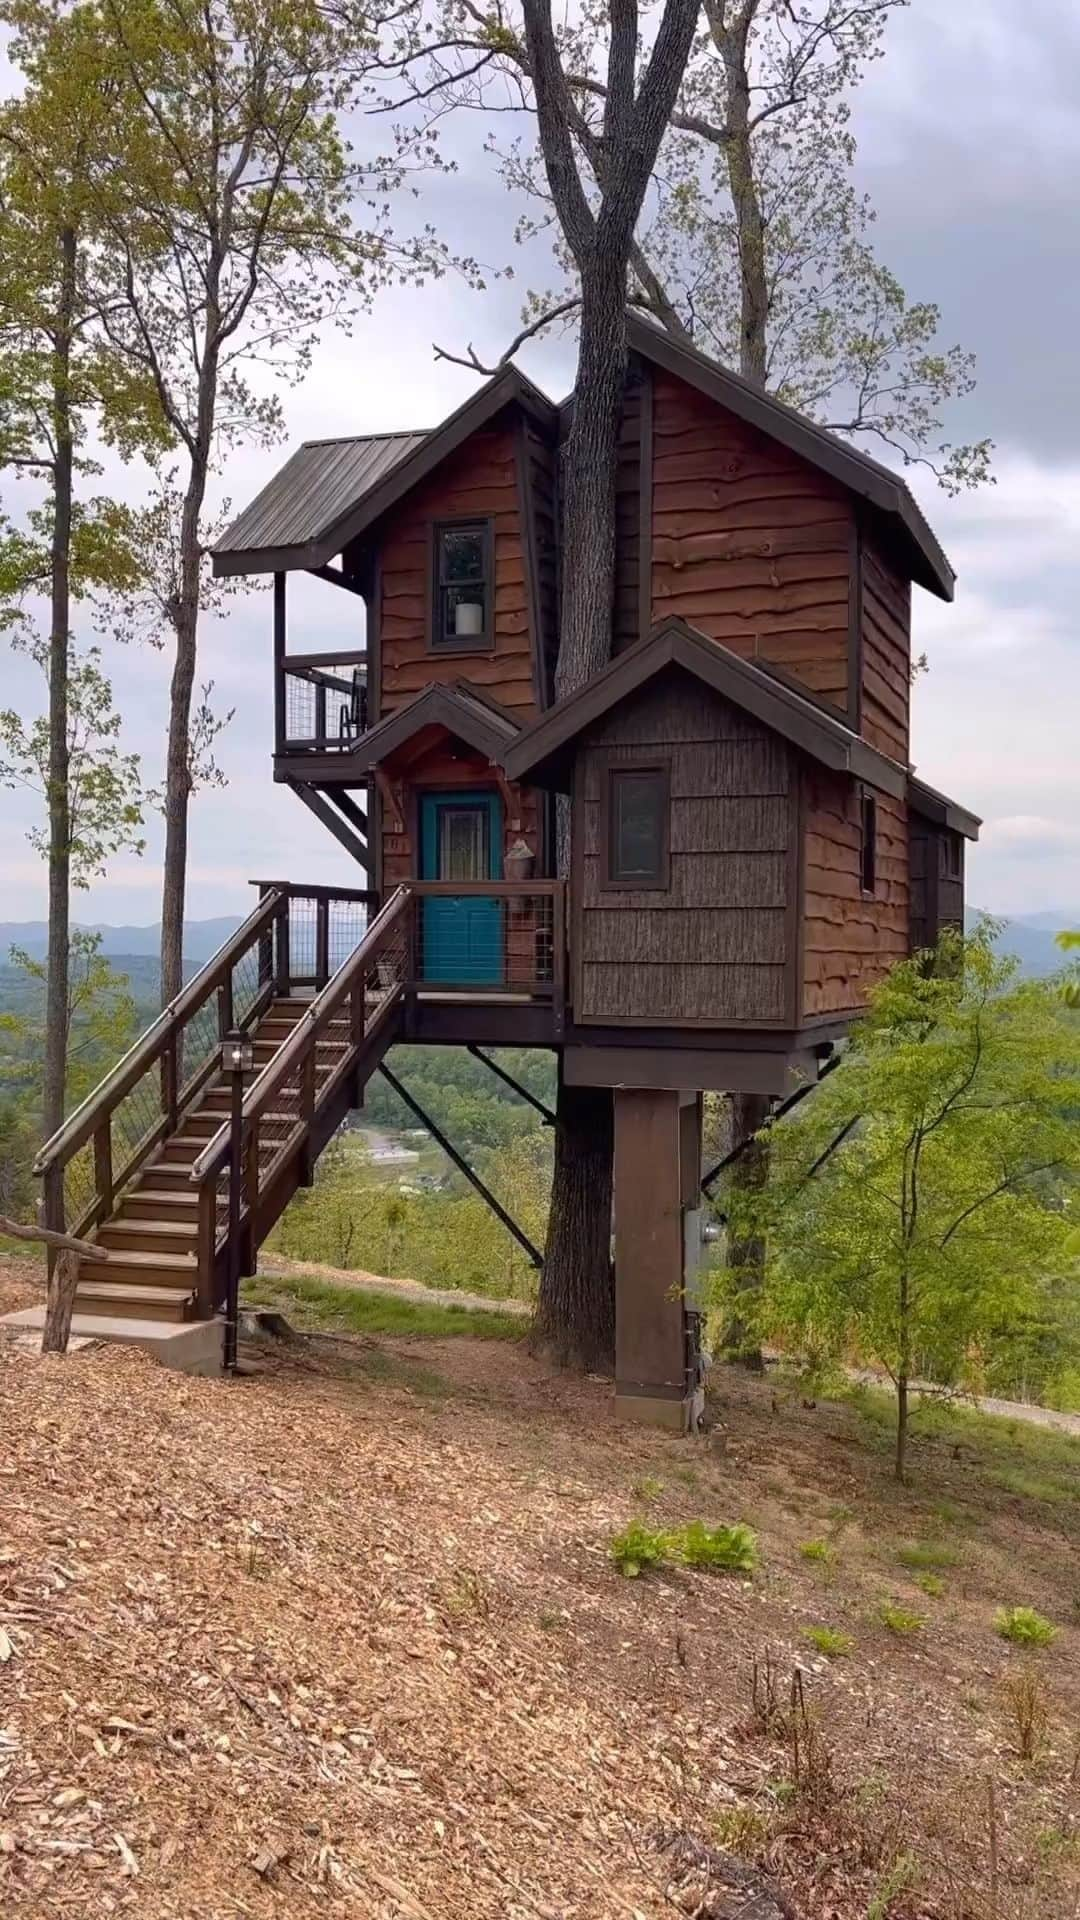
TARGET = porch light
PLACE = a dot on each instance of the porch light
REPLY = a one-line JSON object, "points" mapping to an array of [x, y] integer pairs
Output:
{"points": [[239, 1052]]}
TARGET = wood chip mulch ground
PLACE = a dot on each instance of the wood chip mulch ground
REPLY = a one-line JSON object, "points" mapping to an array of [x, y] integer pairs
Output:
{"points": [[345, 1638]]}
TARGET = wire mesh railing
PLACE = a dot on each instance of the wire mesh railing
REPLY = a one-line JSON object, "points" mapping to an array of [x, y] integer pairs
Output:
{"points": [[494, 937], [323, 702]]}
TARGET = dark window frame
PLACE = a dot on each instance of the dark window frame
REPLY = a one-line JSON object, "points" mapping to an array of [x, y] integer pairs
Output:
{"points": [[868, 822], [484, 641], [659, 880], [952, 864]]}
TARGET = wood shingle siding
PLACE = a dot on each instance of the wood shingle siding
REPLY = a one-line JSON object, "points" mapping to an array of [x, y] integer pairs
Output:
{"points": [[749, 543], [713, 947], [479, 480], [850, 939], [886, 654]]}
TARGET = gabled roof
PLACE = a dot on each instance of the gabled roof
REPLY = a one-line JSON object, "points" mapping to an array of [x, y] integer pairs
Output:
{"points": [[328, 491], [877, 484], [943, 812], [542, 754], [477, 720]]}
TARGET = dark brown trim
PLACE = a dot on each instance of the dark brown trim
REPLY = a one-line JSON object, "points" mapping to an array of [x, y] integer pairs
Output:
{"points": [[645, 504], [941, 811], [332, 821], [374, 640], [611, 768], [868, 838], [794, 922], [690, 1067], [846, 464], [507, 388], [279, 661], [437, 705], [527, 516], [483, 642], [855, 627], [543, 752], [337, 578], [375, 839], [577, 884]]}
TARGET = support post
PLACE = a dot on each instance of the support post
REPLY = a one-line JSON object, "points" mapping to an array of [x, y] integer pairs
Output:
{"points": [[279, 663], [657, 1169]]}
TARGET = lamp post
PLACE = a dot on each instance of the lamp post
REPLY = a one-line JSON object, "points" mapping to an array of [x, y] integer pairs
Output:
{"points": [[238, 1058]]}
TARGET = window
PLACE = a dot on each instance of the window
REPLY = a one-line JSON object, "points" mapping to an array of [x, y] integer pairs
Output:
{"points": [[462, 586], [637, 835], [868, 849], [953, 856]]}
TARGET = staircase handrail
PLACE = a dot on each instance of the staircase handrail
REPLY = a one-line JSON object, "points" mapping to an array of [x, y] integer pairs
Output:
{"points": [[144, 1052], [305, 1033]]}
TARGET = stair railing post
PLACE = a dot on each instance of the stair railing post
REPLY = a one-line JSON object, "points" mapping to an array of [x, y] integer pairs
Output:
{"points": [[238, 1059], [103, 1169], [170, 1093], [52, 1207], [322, 941], [283, 970], [207, 1246]]}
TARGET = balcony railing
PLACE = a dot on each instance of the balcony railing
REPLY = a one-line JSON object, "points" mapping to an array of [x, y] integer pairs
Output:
{"points": [[483, 937], [321, 702]]}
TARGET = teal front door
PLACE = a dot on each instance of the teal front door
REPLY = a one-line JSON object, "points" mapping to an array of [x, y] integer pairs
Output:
{"points": [[461, 839]]}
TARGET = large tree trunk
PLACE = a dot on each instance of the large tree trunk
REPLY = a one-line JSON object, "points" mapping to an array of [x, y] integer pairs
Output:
{"points": [[59, 799], [576, 1307], [575, 1315], [732, 43]]}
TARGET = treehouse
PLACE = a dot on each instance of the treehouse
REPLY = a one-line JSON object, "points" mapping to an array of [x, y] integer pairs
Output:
{"points": [[750, 848]]}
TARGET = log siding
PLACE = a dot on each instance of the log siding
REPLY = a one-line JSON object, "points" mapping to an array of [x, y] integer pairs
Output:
{"points": [[850, 938], [749, 543], [885, 696]]}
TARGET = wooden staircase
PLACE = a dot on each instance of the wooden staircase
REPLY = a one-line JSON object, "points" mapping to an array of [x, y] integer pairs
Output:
{"points": [[143, 1167]]}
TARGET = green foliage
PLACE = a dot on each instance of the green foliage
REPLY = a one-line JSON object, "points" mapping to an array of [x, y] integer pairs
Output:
{"points": [[830, 1641], [1070, 987], [102, 1020], [899, 1619], [936, 1222], [723, 1549], [637, 1548], [931, 1584], [817, 1550], [1024, 1627], [921, 1554]]}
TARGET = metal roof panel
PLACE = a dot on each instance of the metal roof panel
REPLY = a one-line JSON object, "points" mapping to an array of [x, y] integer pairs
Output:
{"points": [[317, 484]]}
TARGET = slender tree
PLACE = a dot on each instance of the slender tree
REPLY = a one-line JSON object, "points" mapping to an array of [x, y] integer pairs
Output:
{"points": [[914, 1207], [235, 227]]}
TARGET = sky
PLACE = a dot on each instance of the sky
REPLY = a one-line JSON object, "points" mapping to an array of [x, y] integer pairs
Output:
{"points": [[969, 145]]}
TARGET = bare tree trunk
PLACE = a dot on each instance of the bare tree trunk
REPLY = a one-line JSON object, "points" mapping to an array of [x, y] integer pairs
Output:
{"points": [[178, 757], [59, 800], [60, 1303], [903, 1378], [731, 39]]}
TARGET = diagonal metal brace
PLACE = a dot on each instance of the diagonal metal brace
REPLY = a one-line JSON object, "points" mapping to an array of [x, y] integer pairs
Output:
{"points": [[463, 1166], [777, 1113], [479, 1054]]}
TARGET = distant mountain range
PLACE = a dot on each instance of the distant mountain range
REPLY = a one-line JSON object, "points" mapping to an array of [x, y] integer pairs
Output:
{"points": [[1030, 937], [202, 938]]}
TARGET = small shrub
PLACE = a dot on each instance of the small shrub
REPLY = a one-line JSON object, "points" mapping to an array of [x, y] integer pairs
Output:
{"points": [[817, 1550], [926, 1555], [724, 1549], [637, 1548], [1027, 1705], [1024, 1627], [900, 1878], [932, 1584], [899, 1619], [742, 1830], [830, 1641], [648, 1488]]}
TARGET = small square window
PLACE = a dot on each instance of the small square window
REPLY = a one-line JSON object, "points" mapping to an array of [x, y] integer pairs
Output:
{"points": [[868, 845], [462, 596], [637, 830]]}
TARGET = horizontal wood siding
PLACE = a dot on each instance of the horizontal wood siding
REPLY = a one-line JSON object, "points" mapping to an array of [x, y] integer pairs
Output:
{"points": [[937, 895], [749, 543], [713, 948], [850, 940], [479, 479], [886, 654], [626, 623], [543, 489]]}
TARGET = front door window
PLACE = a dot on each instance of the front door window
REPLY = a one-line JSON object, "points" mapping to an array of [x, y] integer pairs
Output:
{"points": [[463, 843]]}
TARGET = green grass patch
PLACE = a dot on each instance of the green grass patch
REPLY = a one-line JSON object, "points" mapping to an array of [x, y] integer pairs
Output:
{"points": [[1032, 1486], [830, 1641], [719, 1549], [320, 1305], [899, 1619], [926, 1555], [994, 1439], [1024, 1627], [818, 1551], [932, 1584]]}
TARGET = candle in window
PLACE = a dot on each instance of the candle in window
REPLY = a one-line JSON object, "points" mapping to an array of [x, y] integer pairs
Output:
{"points": [[468, 619]]}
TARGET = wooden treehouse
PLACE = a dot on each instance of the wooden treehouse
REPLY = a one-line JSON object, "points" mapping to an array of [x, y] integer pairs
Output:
{"points": [[751, 848]]}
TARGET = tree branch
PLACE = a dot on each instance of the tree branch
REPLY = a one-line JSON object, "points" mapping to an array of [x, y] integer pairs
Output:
{"points": [[472, 360], [67, 1243]]}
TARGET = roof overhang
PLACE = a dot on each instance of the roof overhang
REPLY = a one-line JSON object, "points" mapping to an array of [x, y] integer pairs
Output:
{"points": [[941, 811], [543, 753], [878, 485], [480, 724], [325, 534]]}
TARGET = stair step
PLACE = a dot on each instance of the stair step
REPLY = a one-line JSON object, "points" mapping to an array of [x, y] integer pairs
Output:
{"points": [[149, 1236], [163, 1176], [157, 1202], [153, 1269], [119, 1300]]}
